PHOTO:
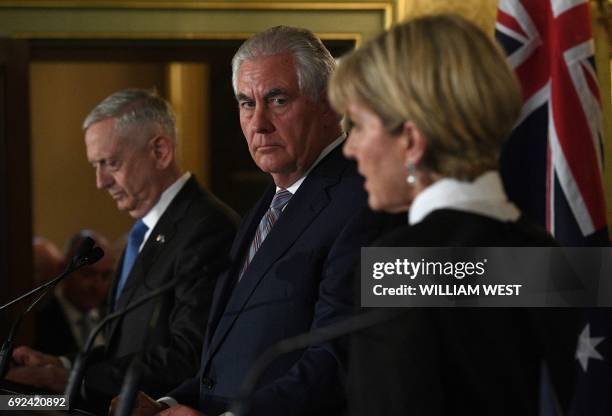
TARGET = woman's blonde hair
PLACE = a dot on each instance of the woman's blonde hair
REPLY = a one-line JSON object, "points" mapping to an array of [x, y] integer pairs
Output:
{"points": [[445, 75]]}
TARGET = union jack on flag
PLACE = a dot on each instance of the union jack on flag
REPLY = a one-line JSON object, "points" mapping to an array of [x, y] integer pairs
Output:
{"points": [[552, 164]]}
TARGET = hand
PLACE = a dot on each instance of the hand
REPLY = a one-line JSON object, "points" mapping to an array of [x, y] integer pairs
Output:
{"points": [[180, 410], [25, 356], [144, 406], [50, 377]]}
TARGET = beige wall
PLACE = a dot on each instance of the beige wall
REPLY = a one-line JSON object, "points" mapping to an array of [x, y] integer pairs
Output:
{"points": [[481, 12], [65, 198], [188, 93]]}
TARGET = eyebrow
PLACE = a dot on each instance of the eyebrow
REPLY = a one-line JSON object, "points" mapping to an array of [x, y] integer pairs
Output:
{"points": [[274, 92], [243, 97]]}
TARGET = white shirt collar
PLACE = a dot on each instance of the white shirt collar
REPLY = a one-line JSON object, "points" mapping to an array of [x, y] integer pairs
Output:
{"points": [[485, 196], [160, 207], [327, 150]]}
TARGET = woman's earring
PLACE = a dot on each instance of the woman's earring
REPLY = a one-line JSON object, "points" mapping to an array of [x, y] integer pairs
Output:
{"points": [[411, 178]]}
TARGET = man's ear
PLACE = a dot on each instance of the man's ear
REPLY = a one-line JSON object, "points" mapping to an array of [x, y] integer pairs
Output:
{"points": [[162, 148], [416, 143]]}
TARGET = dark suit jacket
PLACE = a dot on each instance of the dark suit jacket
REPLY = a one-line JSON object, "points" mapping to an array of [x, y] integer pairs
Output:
{"points": [[197, 231], [463, 361], [300, 278], [53, 334]]}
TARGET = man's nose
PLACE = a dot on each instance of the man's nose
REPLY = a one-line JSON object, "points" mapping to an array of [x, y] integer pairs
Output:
{"points": [[103, 179], [261, 120]]}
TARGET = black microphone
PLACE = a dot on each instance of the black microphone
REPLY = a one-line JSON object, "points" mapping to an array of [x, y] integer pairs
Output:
{"points": [[82, 257], [92, 256], [80, 364], [301, 341], [86, 255], [84, 248]]}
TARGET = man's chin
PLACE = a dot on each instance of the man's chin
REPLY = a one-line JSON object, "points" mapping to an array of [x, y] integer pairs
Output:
{"points": [[276, 167]]}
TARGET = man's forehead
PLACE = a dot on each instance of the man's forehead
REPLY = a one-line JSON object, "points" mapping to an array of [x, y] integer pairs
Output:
{"points": [[267, 73], [104, 148]]}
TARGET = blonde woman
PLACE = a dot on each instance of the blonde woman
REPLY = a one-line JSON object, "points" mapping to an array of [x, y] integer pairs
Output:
{"points": [[430, 103]]}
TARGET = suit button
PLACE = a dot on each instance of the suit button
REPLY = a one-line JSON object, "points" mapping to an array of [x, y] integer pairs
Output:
{"points": [[207, 383]]}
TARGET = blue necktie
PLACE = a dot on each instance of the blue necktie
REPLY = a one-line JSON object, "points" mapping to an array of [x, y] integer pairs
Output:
{"points": [[137, 233], [265, 225]]}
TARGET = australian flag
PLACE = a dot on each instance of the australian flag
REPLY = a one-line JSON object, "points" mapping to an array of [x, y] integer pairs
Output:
{"points": [[552, 164]]}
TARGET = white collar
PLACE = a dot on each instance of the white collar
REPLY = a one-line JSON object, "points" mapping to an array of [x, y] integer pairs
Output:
{"points": [[160, 207], [485, 196], [327, 150]]}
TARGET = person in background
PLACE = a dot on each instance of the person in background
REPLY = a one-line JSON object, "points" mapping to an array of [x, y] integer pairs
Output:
{"points": [[430, 103], [181, 233], [64, 321], [48, 260]]}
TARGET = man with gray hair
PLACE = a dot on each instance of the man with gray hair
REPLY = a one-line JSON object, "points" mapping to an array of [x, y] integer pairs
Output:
{"points": [[181, 233], [295, 252]]}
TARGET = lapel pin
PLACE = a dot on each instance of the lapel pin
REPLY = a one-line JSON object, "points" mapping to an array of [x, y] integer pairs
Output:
{"points": [[160, 238]]}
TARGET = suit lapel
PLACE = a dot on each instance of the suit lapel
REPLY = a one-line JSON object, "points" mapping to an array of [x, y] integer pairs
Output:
{"points": [[243, 239], [152, 250], [310, 199]]}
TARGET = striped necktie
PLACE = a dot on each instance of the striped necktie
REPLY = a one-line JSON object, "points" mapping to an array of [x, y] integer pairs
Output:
{"points": [[281, 198]]}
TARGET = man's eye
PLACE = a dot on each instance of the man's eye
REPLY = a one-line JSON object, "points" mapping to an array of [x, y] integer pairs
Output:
{"points": [[277, 101], [247, 104], [110, 164]]}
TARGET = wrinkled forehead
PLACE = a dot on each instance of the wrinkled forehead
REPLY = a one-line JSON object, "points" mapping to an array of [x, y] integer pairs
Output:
{"points": [[266, 73]]}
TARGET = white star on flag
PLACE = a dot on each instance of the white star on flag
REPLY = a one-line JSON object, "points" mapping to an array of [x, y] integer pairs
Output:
{"points": [[586, 348]]}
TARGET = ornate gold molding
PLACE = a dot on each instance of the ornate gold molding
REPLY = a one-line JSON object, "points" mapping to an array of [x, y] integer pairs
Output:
{"points": [[385, 7], [357, 37]]}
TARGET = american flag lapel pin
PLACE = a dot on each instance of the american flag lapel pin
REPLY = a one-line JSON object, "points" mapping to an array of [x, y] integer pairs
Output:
{"points": [[161, 239]]}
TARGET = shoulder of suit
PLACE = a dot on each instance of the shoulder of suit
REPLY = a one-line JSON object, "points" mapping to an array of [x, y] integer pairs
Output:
{"points": [[204, 204]]}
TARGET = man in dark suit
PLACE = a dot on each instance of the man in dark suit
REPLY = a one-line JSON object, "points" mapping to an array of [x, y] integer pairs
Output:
{"points": [[182, 232], [63, 322], [296, 251]]}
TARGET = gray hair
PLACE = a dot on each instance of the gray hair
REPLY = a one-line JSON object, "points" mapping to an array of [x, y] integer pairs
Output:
{"points": [[314, 63], [135, 108]]}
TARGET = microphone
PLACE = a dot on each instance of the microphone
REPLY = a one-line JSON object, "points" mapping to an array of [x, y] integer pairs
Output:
{"points": [[84, 248], [86, 255], [316, 336], [83, 257], [80, 364], [92, 256]]}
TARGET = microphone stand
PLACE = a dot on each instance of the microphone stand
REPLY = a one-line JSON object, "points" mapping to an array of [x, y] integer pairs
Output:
{"points": [[6, 352], [83, 257], [131, 382], [7, 347], [80, 364], [316, 336]]}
